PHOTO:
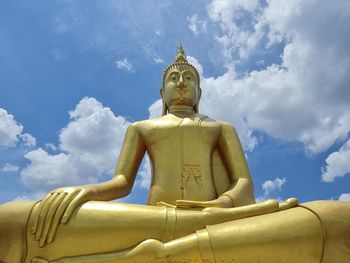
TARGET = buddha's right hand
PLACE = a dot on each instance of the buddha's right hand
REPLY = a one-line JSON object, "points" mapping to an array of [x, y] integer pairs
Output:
{"points": [[57, 208]]}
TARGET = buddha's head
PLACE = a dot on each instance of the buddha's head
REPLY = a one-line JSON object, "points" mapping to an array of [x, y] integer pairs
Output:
{"points": [[180, 83]]}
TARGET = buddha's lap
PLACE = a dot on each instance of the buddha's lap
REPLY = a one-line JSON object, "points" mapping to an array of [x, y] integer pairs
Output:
{"points": [[102, 227]]}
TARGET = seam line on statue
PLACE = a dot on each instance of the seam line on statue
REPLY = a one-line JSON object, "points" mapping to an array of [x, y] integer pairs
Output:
{"points": [[164, 224], [199, 247], [211, 245], [183, 194], [175, 223], [323, 230], [233, 203], [173, 217]]}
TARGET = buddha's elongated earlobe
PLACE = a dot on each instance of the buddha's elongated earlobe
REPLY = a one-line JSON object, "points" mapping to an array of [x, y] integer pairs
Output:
{"points": [[196, 106], [164, 107]]}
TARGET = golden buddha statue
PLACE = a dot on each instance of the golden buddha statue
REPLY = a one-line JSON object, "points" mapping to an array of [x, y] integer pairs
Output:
{"points": [[200, 207]]}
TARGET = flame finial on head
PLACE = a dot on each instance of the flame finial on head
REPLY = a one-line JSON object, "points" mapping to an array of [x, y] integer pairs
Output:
{"points": [[180, 56]]}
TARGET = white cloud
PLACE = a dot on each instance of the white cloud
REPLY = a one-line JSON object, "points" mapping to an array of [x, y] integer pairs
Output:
{"points": [[271, 186], [145, 173], [195, 25], [304, 96], [158, 60], [124, 64], [10, 130], [89, 144], [337, 164], [271, 189], [234, 17], [155, 110], [344, 197], [193, 61], [10, 168], [51, 146], [28, 140]]}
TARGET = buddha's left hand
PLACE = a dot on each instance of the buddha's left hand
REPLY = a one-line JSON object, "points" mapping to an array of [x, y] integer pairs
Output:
{"points": [[222, 201], [57, 208]]}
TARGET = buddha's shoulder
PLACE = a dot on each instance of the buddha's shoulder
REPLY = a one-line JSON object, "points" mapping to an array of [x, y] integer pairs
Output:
{"points": [[219, 123], [168, 120], [150, 124], [226, 125]]}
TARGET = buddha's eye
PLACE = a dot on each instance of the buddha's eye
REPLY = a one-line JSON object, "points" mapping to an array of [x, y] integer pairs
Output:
{"points": [[173, 77], [188, 77]]}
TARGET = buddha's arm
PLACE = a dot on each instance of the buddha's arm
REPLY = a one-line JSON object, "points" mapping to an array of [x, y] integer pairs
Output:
{"points": [[241, 189], [58, 206], [230, 148]]}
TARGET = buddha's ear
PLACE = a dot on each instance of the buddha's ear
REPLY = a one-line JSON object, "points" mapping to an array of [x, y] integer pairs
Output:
{"points": [[161, 92], [199, 94]]}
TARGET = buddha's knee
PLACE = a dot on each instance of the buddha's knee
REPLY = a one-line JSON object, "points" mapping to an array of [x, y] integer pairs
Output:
{"points": [[335, 218], [13, 224]]}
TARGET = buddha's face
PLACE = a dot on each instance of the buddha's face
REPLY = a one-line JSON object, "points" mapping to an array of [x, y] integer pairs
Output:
{"points": [[181, 87]]}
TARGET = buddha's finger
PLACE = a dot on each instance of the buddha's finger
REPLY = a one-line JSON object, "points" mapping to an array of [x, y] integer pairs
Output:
{"points": [[289, 203], [209, 204], [160, 203], [59, 213], [78, 199], [49, 218], [43, 214], [184, 203], [40, 208], [189, 203]]}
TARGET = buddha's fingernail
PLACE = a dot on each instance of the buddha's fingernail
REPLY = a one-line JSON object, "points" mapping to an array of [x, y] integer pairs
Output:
{"points": [[42, 243]]}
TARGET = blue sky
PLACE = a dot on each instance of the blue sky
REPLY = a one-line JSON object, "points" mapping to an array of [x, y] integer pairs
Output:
{"points": [[75, 74]]}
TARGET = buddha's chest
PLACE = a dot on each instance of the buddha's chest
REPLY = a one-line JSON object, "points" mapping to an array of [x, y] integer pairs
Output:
{"points": [[188, 134]]}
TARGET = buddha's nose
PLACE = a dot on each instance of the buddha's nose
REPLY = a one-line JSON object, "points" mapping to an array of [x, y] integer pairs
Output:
{"points": [[181, 84]]}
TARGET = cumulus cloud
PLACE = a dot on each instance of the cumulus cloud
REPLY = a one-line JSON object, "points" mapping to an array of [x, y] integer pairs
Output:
{"points": [[271, 186], [196, 64], [238, 35], [344, 197], [271, 189], [124, 64], [51, 146], [155, 110], [8, 167], [28, 140], [301, 97], [145, 174], [89, 147], [337, 164], [10, 130]]}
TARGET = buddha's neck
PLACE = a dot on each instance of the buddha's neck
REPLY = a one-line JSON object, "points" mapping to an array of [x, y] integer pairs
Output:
{"points": [[181, 110]]}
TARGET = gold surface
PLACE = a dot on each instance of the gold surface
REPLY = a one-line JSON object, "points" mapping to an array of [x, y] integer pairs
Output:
{"points": [[200, 206]]}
